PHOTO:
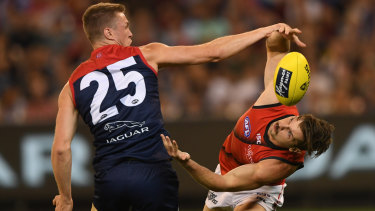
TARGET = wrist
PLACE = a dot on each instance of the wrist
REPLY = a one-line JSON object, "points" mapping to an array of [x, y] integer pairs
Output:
{"points": [[66, 197], [269, 29], [183, 157]]}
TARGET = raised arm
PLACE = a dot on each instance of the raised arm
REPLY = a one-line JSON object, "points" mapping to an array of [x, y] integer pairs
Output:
{"points": [[61, 157], [278, 45], [159, 55], [245, 177]]}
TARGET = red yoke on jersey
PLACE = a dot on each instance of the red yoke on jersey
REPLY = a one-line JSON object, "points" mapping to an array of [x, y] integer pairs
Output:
{"points": [[249, 142], [103, 56]]}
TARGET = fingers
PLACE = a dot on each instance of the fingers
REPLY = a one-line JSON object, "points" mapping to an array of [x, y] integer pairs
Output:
{"points": [[166, 140], [288, 30], [163, 138], [291, 34], [54, 201], [296, 31], [298, 41], [170, 146], [174, 144]]}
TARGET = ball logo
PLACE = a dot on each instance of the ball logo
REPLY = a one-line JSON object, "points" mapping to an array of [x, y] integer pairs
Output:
{"points": [[307, 71], [282, 82], [304, 86], [247, 127]]}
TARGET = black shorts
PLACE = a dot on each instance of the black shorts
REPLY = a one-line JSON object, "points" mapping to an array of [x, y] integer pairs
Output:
{"points": [[135, 185]]}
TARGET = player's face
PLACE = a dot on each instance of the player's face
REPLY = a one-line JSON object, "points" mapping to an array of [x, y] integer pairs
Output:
{"points": [[122, 34], [286, 132]]}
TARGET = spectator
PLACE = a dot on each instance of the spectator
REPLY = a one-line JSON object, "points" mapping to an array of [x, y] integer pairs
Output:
{"points": [[340, 37]]}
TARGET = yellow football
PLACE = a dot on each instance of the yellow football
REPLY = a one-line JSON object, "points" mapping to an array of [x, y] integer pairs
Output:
{"points": [[292, 78]]}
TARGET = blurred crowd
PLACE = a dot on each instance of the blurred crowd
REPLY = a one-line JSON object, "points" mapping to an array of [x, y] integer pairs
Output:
{"points": [[42, 42]]}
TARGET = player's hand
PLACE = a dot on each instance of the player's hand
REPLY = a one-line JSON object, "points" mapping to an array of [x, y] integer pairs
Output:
{"points": [[172, 149], [288, 32], [62, 203]]}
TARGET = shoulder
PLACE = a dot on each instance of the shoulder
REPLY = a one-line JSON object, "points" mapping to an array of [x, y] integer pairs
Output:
{"points": [[153, 53], [81, 70], [65, 97], [152, 49]]}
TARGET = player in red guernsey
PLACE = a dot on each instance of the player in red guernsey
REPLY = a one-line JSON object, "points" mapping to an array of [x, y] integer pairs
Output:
{"points": [[267, 145], [116, 93]]}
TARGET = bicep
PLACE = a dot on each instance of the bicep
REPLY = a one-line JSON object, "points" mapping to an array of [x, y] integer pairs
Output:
{"points": [[159, 55], [268, 96], [66, 120], [252, 176]]}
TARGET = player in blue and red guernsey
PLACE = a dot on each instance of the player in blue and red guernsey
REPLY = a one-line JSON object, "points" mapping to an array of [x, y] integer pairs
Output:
{"points": [[116, 93], [267, 144]]}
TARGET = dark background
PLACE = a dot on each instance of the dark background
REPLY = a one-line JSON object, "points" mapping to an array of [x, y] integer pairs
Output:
{"points": [[203, 139], [42, 42]]}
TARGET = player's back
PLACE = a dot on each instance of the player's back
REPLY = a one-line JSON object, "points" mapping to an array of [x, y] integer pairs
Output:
{"points": [[116, 94]]}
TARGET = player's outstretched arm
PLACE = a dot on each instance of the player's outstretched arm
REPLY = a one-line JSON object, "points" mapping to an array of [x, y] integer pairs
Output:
{"points": [[245, 177], [159, 55], [61, 157]]}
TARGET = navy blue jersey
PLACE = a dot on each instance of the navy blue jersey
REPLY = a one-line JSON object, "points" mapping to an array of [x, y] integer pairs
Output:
{"points": [[116, 94]]}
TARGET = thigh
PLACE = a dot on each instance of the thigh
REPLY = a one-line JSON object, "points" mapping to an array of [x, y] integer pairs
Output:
{"points": [[205, 208], [251, 205], [159, 190], [141, 186]]}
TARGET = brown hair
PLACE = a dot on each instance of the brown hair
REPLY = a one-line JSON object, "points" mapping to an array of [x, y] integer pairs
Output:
{"points": [[99, 16], [277, 43], [317, 134]]}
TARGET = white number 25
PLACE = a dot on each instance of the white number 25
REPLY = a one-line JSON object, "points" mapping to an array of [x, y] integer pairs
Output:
{"points": [[121, 82]]}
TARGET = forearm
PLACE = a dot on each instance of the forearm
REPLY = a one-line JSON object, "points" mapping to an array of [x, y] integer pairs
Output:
{"points": [[62, 165], [204, 176], [229, 45]]}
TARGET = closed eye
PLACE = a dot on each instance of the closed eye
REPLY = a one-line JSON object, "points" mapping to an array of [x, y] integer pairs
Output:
{"points": [[290, 134]]}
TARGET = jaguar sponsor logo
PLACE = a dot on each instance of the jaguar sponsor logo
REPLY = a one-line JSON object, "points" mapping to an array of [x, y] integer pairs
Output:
{"points": [[136, 126], [127, 135], [111, 126]]}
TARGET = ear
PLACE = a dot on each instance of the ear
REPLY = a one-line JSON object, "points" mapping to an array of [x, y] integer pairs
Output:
{"points": [[108, 34], [295, 149]]}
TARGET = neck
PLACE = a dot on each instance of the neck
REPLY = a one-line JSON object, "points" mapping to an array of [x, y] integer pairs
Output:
{"points": [[273, 140], [276, 142], [101, 43]]}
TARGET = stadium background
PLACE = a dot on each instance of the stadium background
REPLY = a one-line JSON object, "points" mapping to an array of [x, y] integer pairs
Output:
{"points": [[41, 43]]}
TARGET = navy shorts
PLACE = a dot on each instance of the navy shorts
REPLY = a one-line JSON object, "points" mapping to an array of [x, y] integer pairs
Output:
{"points": [[136, 185]]}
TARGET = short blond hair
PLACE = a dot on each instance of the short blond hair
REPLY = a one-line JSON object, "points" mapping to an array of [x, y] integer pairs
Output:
{"points": [[99, 16]]}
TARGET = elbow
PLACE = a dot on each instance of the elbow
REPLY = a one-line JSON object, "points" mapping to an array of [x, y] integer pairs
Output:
{"points": [[217, 56], [215, 53], [60, 151], [224, 186]]}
